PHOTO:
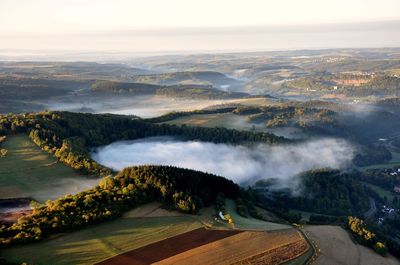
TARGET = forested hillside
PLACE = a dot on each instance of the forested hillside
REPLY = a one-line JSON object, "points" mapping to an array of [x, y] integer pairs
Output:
{"points": [[193, 77], [69, 136], [178, 91], [323, 191], [181, 189]]}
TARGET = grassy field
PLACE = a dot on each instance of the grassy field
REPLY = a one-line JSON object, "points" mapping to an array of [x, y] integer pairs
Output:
{"points": [[227, 120], [103, 241], [237, 122], [28, 171], [249, 222], [137, 228], [395, 161], [381, 192]]}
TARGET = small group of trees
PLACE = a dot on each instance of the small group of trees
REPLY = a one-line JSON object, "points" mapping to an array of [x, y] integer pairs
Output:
{"points": [[364, 236]]}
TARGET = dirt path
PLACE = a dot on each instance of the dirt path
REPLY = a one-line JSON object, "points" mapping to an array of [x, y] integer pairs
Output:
{"points": [[338, 249]]}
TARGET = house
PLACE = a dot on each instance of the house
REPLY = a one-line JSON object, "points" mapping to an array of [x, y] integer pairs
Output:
{"points": [[396, 189]]}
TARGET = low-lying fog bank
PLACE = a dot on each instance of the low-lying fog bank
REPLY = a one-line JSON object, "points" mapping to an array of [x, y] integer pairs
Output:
{"points": [[242, 164], [142, 106]]}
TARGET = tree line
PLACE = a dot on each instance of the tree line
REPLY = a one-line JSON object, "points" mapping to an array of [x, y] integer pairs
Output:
{"points": [[182, 189]]}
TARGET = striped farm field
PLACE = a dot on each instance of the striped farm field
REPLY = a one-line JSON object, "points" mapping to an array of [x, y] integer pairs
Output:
{"points": [[248, 247], [169, 247], [208, 246]]}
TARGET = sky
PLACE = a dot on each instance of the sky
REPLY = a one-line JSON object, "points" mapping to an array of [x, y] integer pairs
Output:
{"points": [[185, 25]]}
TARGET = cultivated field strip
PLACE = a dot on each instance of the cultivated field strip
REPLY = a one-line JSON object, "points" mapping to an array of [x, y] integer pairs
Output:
{"points": [[277, 255], [169, 247], [245, 247]]}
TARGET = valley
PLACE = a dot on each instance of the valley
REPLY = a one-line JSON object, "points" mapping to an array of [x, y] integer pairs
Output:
{"points": [[242, 160]]}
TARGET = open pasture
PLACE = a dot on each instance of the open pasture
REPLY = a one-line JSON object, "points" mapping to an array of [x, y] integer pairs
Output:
{"points": [[28, 171]]}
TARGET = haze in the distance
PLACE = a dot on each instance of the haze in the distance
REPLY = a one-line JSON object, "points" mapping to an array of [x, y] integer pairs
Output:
{"points": [[156, 26]]}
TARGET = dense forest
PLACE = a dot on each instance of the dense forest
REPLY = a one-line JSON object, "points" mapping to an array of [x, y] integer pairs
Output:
{"points": [[181, 189], [70, 135], [322, 191]]}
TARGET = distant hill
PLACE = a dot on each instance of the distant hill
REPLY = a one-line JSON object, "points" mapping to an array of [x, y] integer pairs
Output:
{"points": [[66, 69], [176, 91], [360, 85], [215, 79]]}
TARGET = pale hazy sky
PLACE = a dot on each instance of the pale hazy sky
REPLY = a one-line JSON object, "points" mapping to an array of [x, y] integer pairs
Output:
{"points": [[145, 25]]}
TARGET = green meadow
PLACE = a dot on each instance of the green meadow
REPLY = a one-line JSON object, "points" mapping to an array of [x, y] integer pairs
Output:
{"points": [[28, 171]]}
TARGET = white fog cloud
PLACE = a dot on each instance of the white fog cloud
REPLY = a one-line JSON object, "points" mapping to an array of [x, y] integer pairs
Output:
{"points": [[242, 164]]}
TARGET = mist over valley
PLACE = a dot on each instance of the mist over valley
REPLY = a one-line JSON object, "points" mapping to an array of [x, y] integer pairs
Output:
{"points": [[243, 164], [199, 132]]}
